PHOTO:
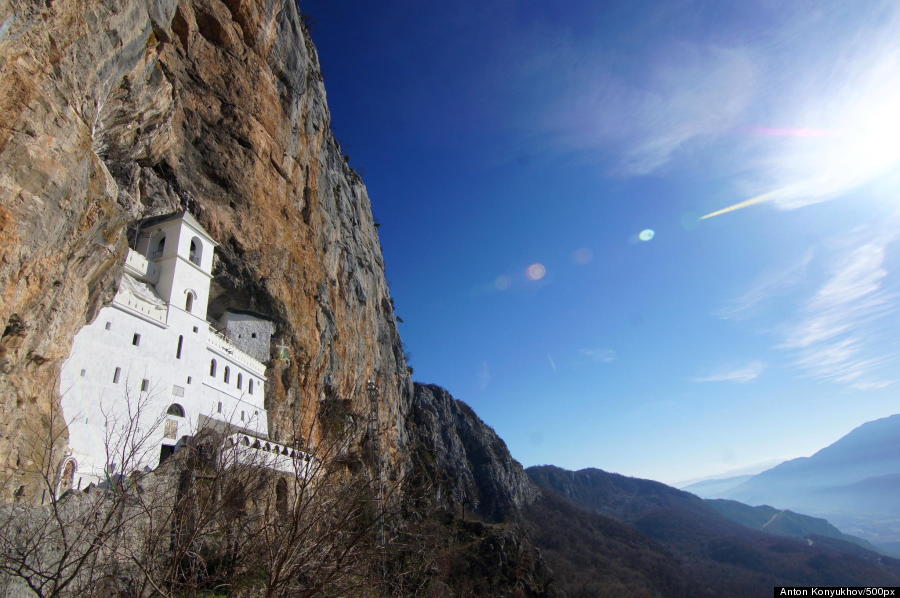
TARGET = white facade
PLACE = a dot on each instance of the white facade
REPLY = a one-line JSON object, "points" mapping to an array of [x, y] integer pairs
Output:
{"points": [[151, 358]]}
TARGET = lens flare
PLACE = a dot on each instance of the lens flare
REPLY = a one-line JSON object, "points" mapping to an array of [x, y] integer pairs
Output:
{"points": [[582, 256], [503, 282], [647, 234], [536, 271]]}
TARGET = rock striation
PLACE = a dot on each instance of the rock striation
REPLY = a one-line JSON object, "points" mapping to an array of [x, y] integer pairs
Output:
{"points": [[115, 111]]}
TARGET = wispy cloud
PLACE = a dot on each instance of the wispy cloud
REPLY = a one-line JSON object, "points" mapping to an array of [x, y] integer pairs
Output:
{"points": [[766, 287], [687, 91], [833, 337], [873, 385], [600, 355], [552, 363], [741, 374], [484, 375]]}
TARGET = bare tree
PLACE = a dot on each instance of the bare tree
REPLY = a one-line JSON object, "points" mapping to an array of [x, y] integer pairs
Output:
{"points": [[229, 512], [56, 548]]}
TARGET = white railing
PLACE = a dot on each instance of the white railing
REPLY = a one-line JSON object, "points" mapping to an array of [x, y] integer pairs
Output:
{"points": [[250, 450], [140, 267], [218, 341], [151, 310]]}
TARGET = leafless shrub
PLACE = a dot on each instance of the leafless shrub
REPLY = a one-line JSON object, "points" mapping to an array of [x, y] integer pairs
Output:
{"points": [[229, 513]]}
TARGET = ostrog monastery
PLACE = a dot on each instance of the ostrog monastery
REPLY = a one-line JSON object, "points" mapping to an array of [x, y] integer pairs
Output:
{"points": [[152, 354]]}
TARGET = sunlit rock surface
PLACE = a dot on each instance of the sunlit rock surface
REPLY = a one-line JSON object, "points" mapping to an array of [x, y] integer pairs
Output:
{"points": [[114, 111]]}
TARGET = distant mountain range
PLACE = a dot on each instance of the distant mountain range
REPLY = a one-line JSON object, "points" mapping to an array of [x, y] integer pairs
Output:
{"points": [[781, 522], [716, 487], [728, 556], [854, 483]]}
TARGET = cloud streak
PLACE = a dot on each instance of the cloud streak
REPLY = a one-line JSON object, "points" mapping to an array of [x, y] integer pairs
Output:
{"points": [[741, 375], [766, 287], [600, 355], [832, 336], [484, 376]]}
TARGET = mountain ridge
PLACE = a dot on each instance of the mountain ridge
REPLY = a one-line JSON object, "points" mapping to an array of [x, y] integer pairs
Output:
{"points": [[736, 557]]}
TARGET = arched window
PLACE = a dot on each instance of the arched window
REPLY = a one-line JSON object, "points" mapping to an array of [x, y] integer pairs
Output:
{"points": [[196, 251], [189, 302], [212, 368], [240, 380], [250, 385], [227, 373], [180, 343], [176, 410], [160, 247]]}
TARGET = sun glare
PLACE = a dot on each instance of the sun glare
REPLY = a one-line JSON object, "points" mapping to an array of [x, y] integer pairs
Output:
{"points": [[841, 141]]}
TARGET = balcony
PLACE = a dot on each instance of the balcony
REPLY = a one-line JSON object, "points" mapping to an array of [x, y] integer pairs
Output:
{"points": [[248, 450], [139, 267]]}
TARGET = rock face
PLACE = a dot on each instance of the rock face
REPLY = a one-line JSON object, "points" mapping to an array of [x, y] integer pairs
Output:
{"points": [[467, 463], [115, 111]]}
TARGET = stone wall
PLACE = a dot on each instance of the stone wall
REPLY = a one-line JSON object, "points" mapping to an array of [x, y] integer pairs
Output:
{"points": [[250, 334]]}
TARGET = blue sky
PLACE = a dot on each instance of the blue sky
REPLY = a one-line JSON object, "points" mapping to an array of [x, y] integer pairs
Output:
{"points": [[540, 171]]}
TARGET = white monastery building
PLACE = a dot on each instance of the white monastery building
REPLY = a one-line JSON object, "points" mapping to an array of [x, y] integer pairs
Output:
{"points": [[152, 358]]}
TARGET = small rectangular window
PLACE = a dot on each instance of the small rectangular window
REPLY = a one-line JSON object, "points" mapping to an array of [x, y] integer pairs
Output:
{"points": [[108, 325], [178, 349], [189, 380], [136, 339], [252, 335], [83, 372], [242, 416], [145, 385], [171, 429], [220, 407], [250, 386], [116, 374], [196, 329]]}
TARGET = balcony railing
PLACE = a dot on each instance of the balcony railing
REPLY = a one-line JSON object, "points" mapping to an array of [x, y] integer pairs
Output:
{"points": [[152, 311], [217, 340]]}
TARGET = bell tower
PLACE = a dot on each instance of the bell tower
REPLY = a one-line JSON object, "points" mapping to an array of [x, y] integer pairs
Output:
{"points": [[183, 253]]}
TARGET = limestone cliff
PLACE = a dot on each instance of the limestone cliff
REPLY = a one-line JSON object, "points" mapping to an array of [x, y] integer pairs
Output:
{"points": [[466, 462], [112, 111]]}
